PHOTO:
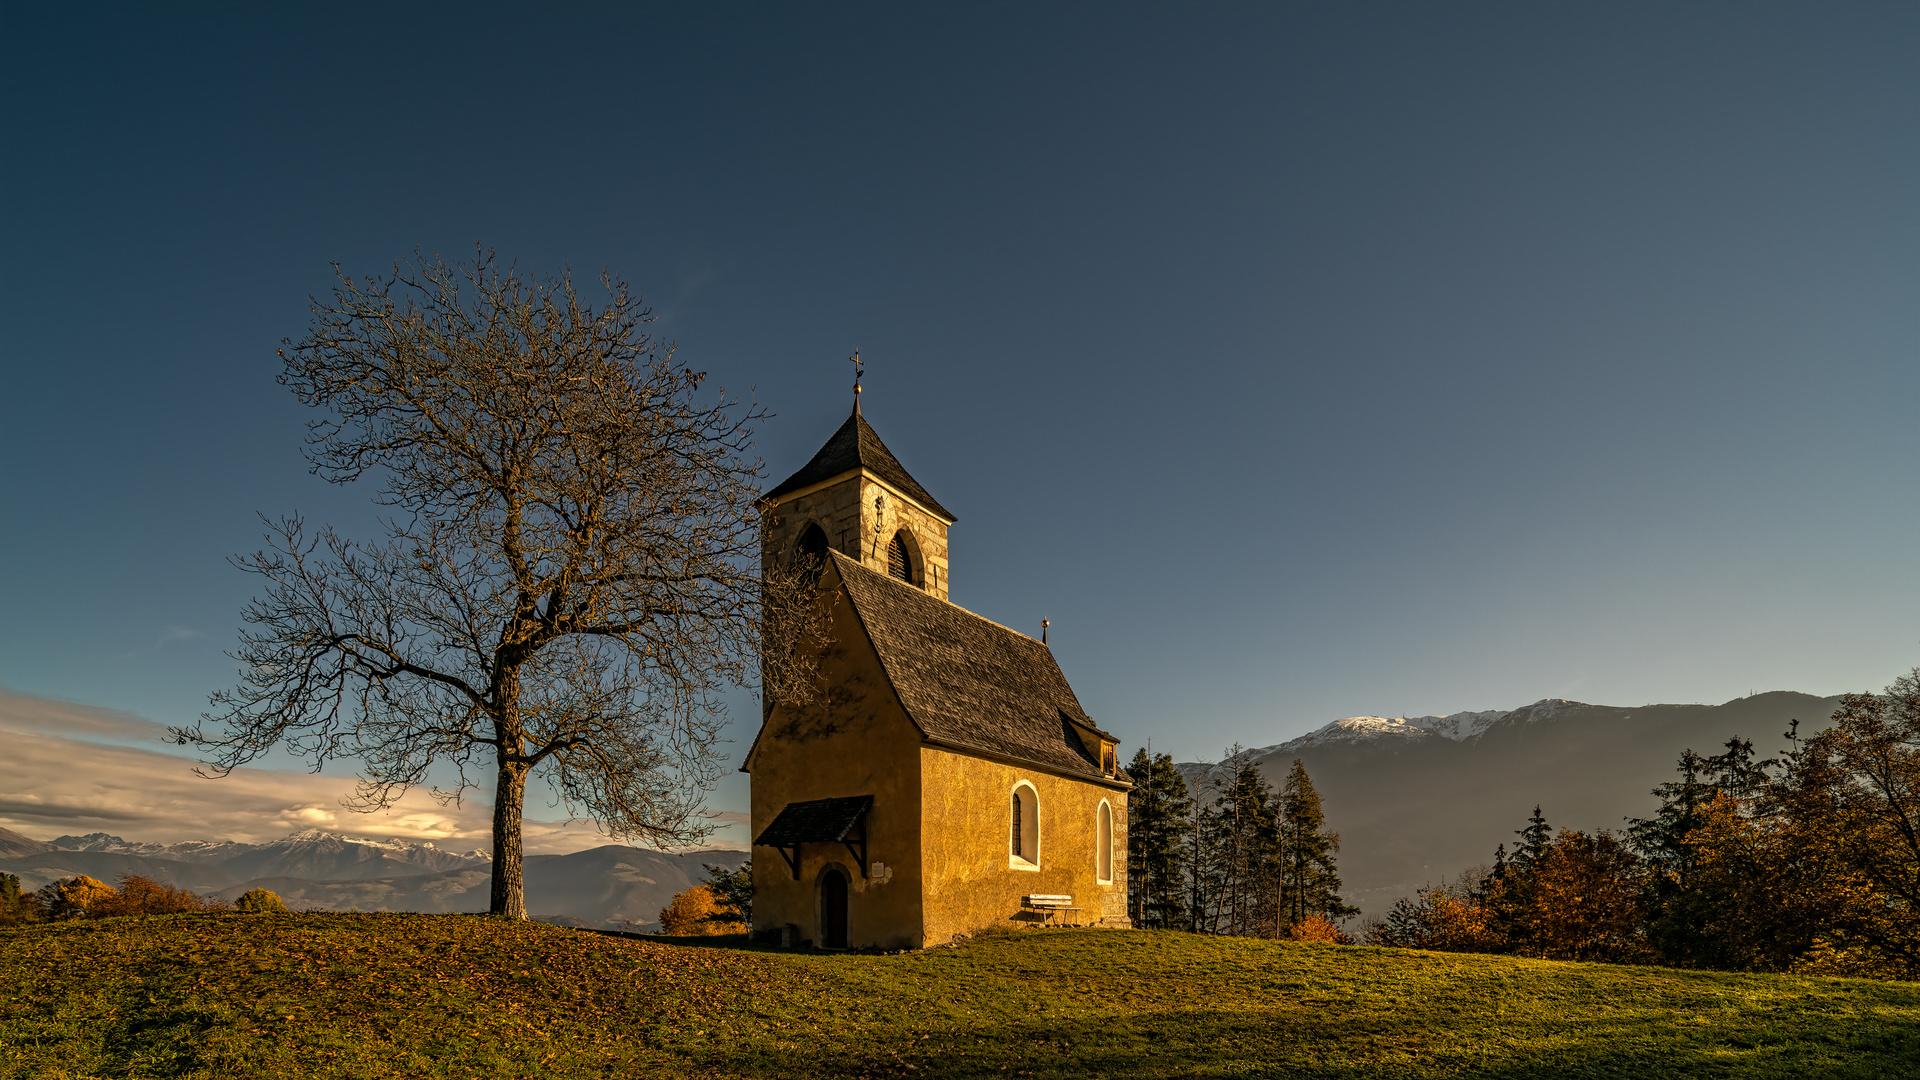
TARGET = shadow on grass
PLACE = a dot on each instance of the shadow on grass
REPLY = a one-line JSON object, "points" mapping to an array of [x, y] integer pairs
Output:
{"points": [[1235, 1043]]}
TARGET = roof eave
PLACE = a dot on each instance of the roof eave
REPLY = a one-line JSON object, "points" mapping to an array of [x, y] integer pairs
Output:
{"points": [[771, 501], [1117, 782]]}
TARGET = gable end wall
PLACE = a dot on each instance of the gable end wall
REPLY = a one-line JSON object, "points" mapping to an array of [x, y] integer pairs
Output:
{"points": [[857, 742]]}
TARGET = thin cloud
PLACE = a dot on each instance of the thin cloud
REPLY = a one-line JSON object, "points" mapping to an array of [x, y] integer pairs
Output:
{"points": [[168, 636], [28, 715]]}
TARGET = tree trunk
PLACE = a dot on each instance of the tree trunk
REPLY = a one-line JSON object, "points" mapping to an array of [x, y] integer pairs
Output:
{"points": [[509, 896]]}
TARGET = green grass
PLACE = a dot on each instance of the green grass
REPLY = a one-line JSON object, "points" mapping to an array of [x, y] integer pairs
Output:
{"points": [[449, 996]]}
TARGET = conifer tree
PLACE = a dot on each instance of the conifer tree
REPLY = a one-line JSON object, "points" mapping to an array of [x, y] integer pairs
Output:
{"points": [[1159, 818], [1736, 773], [1510, 889], [1533, 843], [1662, 840], [1242, 839], [1309, 883]]}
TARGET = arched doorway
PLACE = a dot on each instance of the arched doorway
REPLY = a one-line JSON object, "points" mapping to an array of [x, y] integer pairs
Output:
{"points": [[833, 908]]}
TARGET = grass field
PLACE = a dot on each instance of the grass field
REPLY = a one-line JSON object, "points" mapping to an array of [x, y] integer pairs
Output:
{"points": [[450, 996]]}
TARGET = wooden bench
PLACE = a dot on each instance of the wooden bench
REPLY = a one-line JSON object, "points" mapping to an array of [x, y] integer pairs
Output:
{"points": [[1048, 907]]}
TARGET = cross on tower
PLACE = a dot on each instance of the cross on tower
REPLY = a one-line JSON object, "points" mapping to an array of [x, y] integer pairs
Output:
{"points": [[859, 369]]}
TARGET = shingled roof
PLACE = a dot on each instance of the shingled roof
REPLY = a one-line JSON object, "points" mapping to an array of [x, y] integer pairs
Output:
{"points": [[968, 682], [856, 446], [816, 821]]}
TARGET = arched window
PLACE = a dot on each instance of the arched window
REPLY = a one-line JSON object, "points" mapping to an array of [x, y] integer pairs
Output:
{"points": [[1023, 838], [813, 542], [900, 558], [1103, 857]]}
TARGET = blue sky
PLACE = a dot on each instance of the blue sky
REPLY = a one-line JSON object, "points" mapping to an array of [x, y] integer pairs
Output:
{"points": [[1297, 361]]}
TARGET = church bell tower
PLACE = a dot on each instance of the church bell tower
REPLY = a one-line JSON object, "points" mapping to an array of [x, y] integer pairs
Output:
{"points": [[856, 498]]}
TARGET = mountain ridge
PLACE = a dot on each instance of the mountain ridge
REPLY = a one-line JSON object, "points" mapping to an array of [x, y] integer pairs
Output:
{"points": [[1415, 805]]}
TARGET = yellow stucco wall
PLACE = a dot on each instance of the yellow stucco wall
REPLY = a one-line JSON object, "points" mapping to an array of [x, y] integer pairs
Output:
{"points": [[856, 742], [966, 841]]}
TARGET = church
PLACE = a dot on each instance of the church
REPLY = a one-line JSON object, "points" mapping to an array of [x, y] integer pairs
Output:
{"points": [[947, 780]]}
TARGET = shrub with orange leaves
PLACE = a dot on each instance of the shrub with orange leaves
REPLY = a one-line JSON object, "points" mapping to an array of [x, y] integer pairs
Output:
{"points": [[1317, 927], [80, 896], [697, 912], [1444, 918]]}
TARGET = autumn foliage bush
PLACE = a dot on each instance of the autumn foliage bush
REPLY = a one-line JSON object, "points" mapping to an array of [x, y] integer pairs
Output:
{"points": [[138, 895], [260, 902], [87, 897], [697, 912], [1317, 927]]}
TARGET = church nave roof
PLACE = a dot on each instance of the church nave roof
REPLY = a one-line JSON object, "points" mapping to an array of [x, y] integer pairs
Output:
{"points": [[969, 682]]}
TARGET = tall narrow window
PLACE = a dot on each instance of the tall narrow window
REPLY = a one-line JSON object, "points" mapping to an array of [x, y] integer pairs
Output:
{"points": [[1103, 859], [899, 559], [1023, 838]]}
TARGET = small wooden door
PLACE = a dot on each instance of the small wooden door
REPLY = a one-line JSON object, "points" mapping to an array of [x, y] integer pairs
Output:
{"points": [[833, 909]]}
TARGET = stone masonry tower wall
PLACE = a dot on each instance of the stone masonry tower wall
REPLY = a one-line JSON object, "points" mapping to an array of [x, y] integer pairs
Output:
{"points": [[860, 516]]}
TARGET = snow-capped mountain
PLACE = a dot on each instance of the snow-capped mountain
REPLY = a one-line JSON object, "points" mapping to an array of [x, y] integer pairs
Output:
{"points": [[611, 886], [1458, 727], [396, 845], [313, 853], [1418, 799]]}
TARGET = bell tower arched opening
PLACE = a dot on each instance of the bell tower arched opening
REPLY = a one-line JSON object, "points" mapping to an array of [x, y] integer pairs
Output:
{"points": [[903, 561], [813, 542]]}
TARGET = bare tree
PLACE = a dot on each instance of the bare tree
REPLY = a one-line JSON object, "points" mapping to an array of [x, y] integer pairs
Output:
{"points": [[569, 576]]}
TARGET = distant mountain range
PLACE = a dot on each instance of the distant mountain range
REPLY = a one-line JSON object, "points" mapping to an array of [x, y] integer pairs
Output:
{"points": [[1419, 799], [1415, 800], [612, 886]]}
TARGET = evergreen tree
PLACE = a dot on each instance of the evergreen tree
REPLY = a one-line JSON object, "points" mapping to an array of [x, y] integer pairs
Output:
{"points": [[1662, 840], [1736, 773], [1533, 843], [1243, 841], [1687, 914], [1309, 883], [1159, 818], [1510, 889], [16, 906]]}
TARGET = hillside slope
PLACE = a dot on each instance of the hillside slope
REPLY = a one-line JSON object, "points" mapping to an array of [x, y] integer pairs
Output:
{"points": [[380, 996], [1420, 800]]}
